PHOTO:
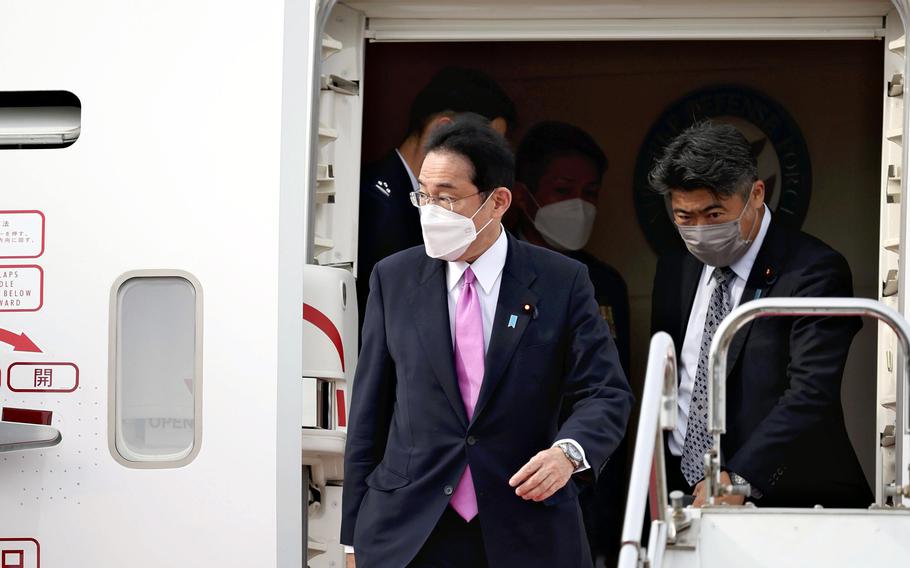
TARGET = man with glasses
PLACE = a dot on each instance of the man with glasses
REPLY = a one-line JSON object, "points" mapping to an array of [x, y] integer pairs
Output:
{"points": [[388, 223], [486, 381]]}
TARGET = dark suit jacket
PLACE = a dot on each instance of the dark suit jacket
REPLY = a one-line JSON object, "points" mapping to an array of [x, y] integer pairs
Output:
{"points": [[603, 504], [555, 375], [612, 296], [785, 424], [388, 221]]}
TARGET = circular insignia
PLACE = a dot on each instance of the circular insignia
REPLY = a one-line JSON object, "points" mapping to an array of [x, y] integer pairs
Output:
{"points": [[777, 143]]}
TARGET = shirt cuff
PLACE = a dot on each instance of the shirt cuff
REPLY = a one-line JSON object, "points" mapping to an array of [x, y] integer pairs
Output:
{"points": [[584, 460], [348, 549]]}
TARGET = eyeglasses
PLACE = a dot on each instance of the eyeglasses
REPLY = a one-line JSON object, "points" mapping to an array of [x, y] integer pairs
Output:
{"points": [[419, 199]]}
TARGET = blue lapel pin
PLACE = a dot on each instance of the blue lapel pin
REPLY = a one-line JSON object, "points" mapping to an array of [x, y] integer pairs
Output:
{"points": [[758, 294], [513, 319]]}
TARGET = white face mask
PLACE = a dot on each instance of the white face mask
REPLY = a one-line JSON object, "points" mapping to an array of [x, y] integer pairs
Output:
{"points": [[446, 234], [565, 225]]}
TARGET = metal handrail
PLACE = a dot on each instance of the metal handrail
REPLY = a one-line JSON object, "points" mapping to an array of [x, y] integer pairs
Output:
{"points": [[658, 408], [769, 307]]}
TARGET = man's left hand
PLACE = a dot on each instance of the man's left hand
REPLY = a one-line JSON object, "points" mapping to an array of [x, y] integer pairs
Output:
{"points": [[545, 474], [701, 497]]}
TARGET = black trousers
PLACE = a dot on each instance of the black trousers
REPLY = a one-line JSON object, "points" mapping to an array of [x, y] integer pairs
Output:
{"points": [[454, 543]]}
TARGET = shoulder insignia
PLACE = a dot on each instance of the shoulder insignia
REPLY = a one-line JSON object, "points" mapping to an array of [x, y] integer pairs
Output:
{"points": [[383, 188]]}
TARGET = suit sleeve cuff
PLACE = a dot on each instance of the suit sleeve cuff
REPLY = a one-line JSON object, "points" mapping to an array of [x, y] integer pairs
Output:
{"points": [[584, 460], [348, 549]]}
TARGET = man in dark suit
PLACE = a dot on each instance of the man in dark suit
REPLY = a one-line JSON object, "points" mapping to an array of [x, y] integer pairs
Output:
{"points": [[388, 222], [785, 424], [559, 172], [486, 381]]}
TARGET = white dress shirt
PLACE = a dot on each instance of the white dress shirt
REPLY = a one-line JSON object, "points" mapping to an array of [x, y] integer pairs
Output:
{"points": [[691, 348]]}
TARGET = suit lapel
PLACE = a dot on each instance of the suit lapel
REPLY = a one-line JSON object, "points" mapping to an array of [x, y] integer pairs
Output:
{"points": [[761, 279], [690, 277], [514, 295], [431, 317]]}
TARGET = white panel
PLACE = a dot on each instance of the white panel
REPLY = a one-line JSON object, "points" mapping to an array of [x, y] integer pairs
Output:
{"points": [[662, 28], [177, 166], [891, 243], [800, 539], [340, 118], [613, 9]]}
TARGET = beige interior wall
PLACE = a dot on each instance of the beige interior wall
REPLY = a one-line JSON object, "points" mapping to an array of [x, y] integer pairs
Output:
{"points": [[616, 91]]}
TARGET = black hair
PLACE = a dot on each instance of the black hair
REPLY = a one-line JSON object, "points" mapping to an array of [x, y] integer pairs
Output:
{"points": [[548, 140], [456, 90], [716, 157], [485, 149]]}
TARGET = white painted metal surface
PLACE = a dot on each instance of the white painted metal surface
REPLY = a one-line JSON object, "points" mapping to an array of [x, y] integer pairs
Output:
{"points": [[789, 538], [657, 28], [658, 412], [329, 359], [619, 9], [179, 166]]}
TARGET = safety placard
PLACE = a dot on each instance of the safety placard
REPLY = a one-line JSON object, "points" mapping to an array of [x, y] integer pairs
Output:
{"points": [[20, 553], [21, 234], [42, 377], [21, 288]]}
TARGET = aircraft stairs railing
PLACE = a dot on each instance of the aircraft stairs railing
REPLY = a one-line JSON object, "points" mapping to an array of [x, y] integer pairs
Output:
{"points": [[748, 536]]}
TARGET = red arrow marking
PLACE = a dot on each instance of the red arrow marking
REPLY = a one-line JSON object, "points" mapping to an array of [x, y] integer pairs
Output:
{"points": [[20, 342]]}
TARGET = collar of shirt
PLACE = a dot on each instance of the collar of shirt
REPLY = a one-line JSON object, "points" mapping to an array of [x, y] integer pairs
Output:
{"points": [[407, 168], [743, 267], [487, 267]]}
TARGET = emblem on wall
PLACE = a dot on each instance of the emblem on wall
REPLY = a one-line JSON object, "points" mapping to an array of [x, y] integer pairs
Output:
{"points": [[778, 144]]}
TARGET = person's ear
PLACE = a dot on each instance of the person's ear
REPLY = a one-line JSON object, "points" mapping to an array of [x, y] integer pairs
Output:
{"points": [[502, 200], [500, 125], [436, 122], [758, 194]]}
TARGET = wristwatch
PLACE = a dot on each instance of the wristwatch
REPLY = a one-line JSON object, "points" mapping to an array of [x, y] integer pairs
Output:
{"points": [[572, 454], [737, 479]]}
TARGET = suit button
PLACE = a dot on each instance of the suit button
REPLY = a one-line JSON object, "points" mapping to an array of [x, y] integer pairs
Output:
{"points": [[448, 490], [472, 440]]}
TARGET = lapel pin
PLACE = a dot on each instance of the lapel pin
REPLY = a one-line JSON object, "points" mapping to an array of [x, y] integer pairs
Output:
{"points": [[513, 319], [770, 276], [530, 310]]}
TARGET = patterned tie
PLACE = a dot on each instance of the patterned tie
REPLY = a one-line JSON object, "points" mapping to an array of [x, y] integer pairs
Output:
{"points": [[698, 442], [469, 356]]}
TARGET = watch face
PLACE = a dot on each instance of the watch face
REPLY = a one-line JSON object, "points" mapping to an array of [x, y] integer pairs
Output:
{"points": [[572, 451]]}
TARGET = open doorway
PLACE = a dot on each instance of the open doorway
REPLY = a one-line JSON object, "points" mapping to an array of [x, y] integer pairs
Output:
{"points": [[624, 94]]}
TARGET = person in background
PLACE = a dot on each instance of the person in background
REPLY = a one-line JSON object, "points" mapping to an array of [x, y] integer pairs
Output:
{"points": [[559, 178], [388, 222]]}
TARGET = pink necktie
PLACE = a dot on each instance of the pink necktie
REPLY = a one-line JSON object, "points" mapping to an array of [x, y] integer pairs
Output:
{"points": [[469, 369]]}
